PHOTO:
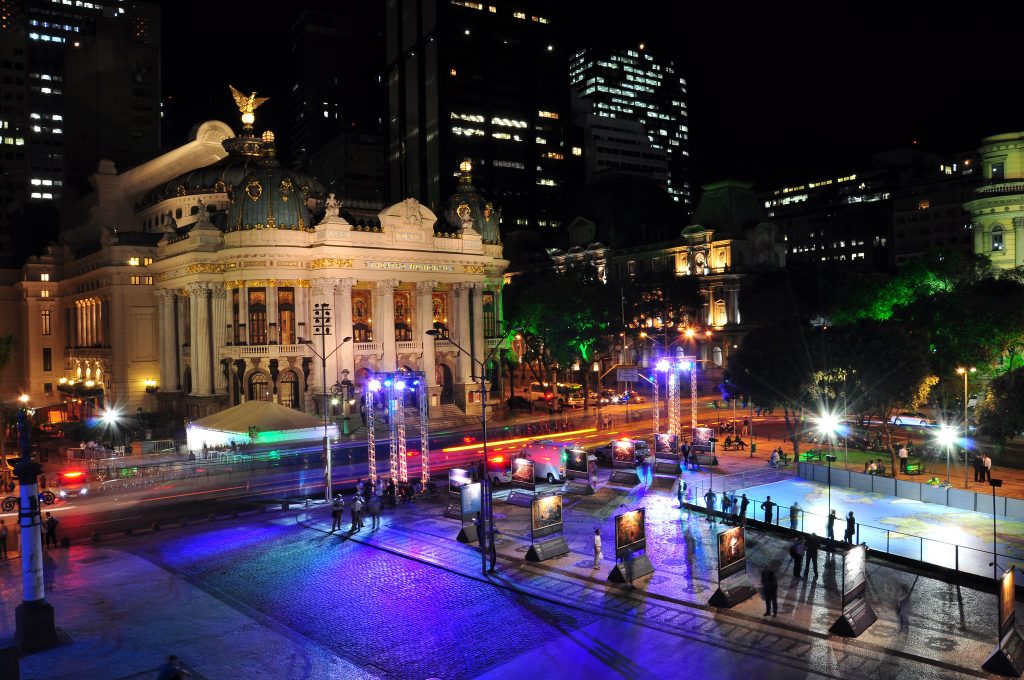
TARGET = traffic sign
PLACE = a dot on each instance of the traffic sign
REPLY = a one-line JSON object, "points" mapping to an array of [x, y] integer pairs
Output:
{"points": [[628, 375]]}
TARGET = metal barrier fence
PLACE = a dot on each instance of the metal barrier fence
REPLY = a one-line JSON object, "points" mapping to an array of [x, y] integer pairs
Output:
{"points": [[960, 558]]}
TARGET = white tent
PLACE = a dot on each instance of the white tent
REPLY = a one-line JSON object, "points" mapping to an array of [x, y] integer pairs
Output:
{"points": [[275, 424]]}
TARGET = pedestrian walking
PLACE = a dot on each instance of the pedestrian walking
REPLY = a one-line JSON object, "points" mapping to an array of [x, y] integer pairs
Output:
{"points": [[794, 515], [830, 526], [375, 506], [337, 508], [744, 504], [796, 551], [988, 467], [50, 525], [769, 508], [3, 539], [492, 547], [851, 528], [903, 606], [709, 501], [811, 555], [770, 591], [680, 486], [597, 548]]}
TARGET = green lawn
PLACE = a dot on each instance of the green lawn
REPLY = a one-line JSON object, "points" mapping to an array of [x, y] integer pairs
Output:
{"points": [[857, 458]]}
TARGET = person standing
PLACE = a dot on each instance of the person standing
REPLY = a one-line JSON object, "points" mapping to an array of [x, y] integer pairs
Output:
{"points": [[680, 489], [3, 539], [725, 507], [830, 527], [903, 606], [50, 525], [811, 555], [337, 508], [769, 508], [376, 506], [357, 506], [987, 462], [978, 468], [734, 505], [744, 504], [796, 551], [794, 516], [597, 548], [851, 528], [903, 454], [709, 501], [770, 589]]}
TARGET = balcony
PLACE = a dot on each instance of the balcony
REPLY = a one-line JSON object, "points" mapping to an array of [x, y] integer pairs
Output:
{"points": [[441, 345], [1000, 189], [367, 348], [88, 352], [410, 346], [264, 351]]}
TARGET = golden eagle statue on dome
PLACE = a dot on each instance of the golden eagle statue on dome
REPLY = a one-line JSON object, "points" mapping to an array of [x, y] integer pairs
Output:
{"points": [[247, 106]]}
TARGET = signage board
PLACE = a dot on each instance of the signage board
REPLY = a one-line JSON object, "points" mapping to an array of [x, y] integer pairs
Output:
{"points": [[470, 498], [732, 553], [630, 532], [546, 516], [523, 474], [629, 375]]}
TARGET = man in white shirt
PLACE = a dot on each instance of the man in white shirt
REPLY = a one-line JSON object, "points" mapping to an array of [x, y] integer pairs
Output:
{"points": [[903, 454]]}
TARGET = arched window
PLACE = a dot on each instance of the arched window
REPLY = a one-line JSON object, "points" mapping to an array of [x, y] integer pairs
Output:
{"points": [[997, 238], [288, 390], [720, 318], [194, 210], [717, 356], [177, 214], [259, 387]]}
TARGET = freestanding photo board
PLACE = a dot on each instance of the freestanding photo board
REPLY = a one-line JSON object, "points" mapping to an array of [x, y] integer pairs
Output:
{"points": [[579, 471], [1008, 656], [624, 463], [857, 612], [470, 505], [546, 529], [734, 585], [457, 478], [631, 547]]}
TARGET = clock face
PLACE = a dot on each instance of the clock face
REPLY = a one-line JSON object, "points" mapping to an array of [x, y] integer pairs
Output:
{"points": [[699, 259]]}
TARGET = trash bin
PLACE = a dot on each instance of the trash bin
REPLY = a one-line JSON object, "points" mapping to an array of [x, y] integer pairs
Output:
{"points": [[753, 449]]}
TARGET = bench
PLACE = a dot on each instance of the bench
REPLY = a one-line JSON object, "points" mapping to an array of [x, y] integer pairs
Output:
{"points": [[733, 446], [914, 469]]}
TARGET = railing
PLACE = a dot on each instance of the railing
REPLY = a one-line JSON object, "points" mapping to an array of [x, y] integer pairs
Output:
{"points": [[999, 188], [410, 346], [960, 558], [443, 345], [89, 352], [264, 351], [369, 347]]}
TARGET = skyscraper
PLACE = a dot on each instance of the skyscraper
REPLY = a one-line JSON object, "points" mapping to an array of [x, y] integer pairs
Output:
{"points": [[80, 82], [633, 85], [483, 82]]}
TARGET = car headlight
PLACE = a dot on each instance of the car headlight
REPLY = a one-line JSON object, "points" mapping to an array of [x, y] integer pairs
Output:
{"points": [[63, 494], [85, 491]]}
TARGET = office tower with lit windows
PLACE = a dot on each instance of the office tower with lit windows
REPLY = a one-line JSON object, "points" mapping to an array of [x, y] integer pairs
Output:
{"points": [[619, 93], [81, 72], [483, 81]]}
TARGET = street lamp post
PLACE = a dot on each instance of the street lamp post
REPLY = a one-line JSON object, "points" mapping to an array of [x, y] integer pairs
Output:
{"points": [[322, 327], [964, 371], [831, 459], [946, 437], [487, 509], [995, 483]]}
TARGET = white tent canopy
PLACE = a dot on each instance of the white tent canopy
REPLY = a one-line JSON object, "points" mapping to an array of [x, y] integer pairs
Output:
{"points": [[275, 424]]}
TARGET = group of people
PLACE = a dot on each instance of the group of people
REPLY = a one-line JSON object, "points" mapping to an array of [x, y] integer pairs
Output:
{"points": [[778, 458], [357, 506], [982, 468], [734, 510], [735, 443], [877, 467]]}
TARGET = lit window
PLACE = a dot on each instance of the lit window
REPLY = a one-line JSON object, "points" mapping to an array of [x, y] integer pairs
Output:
{"points": [[44, 277], [997, 238], [454, 72], [148, 280], [146, 261], [133, 262], [44, 293], [924, 204], [136, 280], [44, 321], [577, 151], [548, 114]]}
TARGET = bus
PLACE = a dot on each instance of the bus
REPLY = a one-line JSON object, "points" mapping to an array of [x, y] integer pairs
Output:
{"points": [[569, 394]]}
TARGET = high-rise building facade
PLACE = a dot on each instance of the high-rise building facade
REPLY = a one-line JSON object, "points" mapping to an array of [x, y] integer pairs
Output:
{"points": [[634, 85], [483, 82], [78, 82]]}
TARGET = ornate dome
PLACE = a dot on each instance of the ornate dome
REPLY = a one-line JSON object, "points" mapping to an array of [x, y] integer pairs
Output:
{"points": [[245, 155], [468, 205], [270, 197]]}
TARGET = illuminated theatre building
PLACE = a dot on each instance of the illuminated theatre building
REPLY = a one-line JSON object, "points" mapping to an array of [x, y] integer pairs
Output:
{"points": [[189, 285]]}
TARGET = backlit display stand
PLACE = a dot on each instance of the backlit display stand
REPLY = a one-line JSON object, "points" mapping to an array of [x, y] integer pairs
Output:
{"points": [[857, 613], [457, 479], [546, 524], [631, 547], [624, 463], [396, 388], [1008, 656], [579, 471], [469, 507], [524, 483], [734, 585]]}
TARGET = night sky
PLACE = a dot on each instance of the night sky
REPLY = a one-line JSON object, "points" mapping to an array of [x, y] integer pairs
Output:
{"points": [[773, 97]]}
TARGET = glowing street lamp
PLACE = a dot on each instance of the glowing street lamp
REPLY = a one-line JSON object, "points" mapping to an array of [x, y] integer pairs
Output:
{"points": [[947, 436], [23, 398], [828, 425]]}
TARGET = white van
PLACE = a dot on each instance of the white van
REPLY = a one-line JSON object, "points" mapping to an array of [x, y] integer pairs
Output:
{"points": [[549, 459]]}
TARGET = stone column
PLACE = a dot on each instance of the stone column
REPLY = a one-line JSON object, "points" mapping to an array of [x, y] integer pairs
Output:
{"points": [[732, 302], [88, 322], [76, 320], [423, 322], [220, 335], [168, 381], [460, 307], [202, 384], [479, 348], [343, 326], [323, 292], [384, 318], [243, 314], [275, 335], [302, 307]]}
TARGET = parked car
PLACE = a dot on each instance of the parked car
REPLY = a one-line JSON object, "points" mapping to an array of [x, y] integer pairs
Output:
{"points": [[604, 453], [518, 403], [629, 397], [915, 418]]}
